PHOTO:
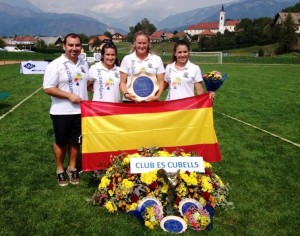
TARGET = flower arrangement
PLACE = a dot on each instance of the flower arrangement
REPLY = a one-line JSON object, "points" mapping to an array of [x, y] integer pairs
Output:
{"points": [[198, 218], [152, 216], [149, 196], [213, 80]]}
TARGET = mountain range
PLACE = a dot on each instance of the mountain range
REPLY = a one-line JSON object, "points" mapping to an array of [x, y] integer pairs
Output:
{"points": [[237, 10], [23, 18]]}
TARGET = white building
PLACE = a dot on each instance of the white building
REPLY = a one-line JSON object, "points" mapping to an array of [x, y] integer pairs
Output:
{"points": [[212, 28]]}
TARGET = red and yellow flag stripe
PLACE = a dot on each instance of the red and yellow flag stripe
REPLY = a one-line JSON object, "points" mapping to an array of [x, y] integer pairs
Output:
{"points": [[112, 128]]}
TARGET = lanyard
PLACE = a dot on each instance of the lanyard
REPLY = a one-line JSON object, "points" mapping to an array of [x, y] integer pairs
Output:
{"points": [[70, 79], [100, 84]]}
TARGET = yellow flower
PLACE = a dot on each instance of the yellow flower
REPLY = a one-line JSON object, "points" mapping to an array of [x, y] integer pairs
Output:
{"points": [[131, 207], [202, 201], [126, 185], [206, 184], [220, 181], [110, 192], [165, 188], [149, 224], [110, 206], [185, 154], [149, 212], [126, 161], [190, 179], [164, 154], [207, 165], [149, 177], [104, 182], [197, 216], [181, 190], [204, 221]]}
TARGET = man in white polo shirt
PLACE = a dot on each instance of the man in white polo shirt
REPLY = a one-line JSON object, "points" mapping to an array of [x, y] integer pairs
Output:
{"points": [[65, 80]]}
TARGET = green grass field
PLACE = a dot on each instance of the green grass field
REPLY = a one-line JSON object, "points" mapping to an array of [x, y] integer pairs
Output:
{"points": [[261, 169]]}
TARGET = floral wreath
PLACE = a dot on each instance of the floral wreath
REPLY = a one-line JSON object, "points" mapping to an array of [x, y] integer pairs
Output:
{"points": [[189, 200]]}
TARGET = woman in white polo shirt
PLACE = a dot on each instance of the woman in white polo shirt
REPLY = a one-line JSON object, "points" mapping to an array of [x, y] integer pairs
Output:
{"points": [[141, 59], [105, 76], [183, 77]]}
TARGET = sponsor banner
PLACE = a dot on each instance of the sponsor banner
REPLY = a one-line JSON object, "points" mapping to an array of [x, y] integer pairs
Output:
{"points": [[33, 67]]}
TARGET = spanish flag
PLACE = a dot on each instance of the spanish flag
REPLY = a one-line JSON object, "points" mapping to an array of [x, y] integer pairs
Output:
{"points": [[109, 129]]}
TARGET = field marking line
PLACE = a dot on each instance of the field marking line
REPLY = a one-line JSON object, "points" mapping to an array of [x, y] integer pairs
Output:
{"points": [[265, 131], [19, 104]]}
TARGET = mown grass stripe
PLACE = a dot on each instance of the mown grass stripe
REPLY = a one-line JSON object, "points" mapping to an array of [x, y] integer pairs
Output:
{"points": [[265, 131]]}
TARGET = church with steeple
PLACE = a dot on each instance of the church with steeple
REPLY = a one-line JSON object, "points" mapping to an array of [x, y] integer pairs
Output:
{"points": [[211, 28], [222, 20]]}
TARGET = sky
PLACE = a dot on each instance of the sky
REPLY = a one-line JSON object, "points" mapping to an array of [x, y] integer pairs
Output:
{"points": [[121, 8]]}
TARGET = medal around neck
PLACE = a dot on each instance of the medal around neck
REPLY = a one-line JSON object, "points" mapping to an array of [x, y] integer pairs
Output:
{"points": [[143, 85]]}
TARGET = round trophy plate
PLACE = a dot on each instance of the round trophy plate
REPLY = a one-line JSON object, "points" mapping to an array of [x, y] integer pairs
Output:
{"points": [[173, 224], [143, 85]]}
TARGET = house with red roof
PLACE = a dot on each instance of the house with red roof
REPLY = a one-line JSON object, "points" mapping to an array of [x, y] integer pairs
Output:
{"points": [[158, 36], [21, 41], [169, 36], [24, 40], [182, 35], [117, 37]]}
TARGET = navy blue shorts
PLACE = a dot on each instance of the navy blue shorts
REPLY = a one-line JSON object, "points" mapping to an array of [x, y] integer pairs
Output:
{"points": [[67, 129]]}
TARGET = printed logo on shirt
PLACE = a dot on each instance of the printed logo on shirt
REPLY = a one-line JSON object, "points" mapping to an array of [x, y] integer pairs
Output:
{"points": [[82, 70], [176, 82], [77, 78], [186, 75], [109, 83]]}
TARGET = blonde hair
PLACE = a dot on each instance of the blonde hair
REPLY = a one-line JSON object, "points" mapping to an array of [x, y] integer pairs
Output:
{"points": [[140, 33]]}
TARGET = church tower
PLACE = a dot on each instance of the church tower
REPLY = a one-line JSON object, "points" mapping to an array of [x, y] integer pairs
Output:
{"points": [[222, 20]]}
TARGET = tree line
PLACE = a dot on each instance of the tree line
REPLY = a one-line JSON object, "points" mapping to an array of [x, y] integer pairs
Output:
{"points": [[261, 31]]}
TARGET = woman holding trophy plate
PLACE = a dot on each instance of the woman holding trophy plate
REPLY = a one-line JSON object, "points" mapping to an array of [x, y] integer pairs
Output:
{"points": [[141, 72]]}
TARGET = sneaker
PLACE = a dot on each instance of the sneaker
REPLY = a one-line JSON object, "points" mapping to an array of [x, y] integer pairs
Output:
{"points": [[62, 179], [73, 176]]}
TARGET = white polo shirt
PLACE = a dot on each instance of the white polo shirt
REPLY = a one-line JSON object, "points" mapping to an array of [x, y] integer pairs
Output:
{"points": [[131, 65], [106, 83], [182, 82], [67, 76]]}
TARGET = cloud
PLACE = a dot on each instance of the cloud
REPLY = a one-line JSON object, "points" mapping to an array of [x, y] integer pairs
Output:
{"points": [[122, 8], [109, 8]]}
